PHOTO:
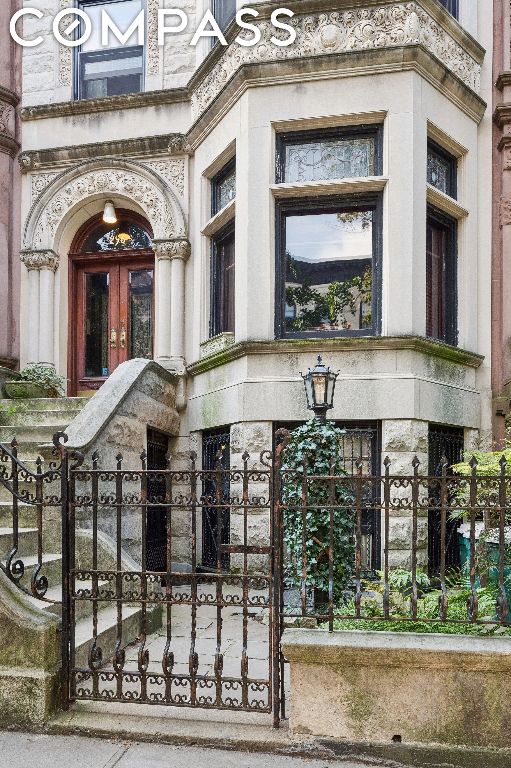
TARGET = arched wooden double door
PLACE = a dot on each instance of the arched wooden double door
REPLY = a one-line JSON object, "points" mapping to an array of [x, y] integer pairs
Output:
{"points": [[112, 299]]}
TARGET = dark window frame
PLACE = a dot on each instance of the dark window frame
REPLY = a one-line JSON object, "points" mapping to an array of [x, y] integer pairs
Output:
{"points": [[452, 162], [217, 240], [216, 183], [80, 58], [212, 441], [452, 6], [225, 23], [328, 204], [372, 130], [450, 275]]}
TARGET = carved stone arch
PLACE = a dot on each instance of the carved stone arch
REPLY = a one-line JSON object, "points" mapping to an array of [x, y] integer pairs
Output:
{"points": [[100, 179]]}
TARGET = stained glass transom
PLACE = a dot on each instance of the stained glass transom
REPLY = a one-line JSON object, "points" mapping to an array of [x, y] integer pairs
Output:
{"points": [[226, 190], [121, 237], [441, 172], [329, 159]]}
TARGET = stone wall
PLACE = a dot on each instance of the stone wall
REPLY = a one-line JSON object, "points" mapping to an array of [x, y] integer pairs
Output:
{"points": [[380, 687]]}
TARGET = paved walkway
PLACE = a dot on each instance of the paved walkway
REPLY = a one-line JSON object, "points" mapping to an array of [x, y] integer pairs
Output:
{"points": [[39, 751]]}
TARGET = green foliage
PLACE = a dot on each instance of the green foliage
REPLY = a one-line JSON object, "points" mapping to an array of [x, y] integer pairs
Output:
{"points": [[46, 377], [318, 445], [458, 586]]}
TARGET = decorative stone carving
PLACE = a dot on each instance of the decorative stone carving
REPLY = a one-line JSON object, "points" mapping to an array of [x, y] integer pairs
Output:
{"points": [[25, 162], [178, 145], [40, 259], [65, 53], [153, 51], [505, 211], [172, 249], [506, 158], [39, 183], [403, 23], [173, 171], [106, 182], [216, 344], [7, 118]]}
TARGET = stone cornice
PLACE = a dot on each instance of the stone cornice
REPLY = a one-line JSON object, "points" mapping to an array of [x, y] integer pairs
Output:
{"points": [[107, 104], [44, 259], [502, 115], [170, 144], [8, 145], [325, 29], [348, 28], [172, 249], [9, 97], [354, 344], [503, 80], [373, 62]]}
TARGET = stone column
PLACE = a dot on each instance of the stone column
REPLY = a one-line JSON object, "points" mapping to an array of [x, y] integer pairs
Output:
{"points": [[41, 266], [171, 257], [402, 441]]}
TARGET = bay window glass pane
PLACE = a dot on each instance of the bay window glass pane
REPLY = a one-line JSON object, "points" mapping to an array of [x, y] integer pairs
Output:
{"points": [[140, 311], [96, 324], [435, 281], [441, 171], [224, 12], [223, 304], [329, 159], [329, 271], [122, 14]]}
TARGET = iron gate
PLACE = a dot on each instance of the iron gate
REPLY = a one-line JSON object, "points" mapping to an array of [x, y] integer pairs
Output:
{"points": [[177, 636]]}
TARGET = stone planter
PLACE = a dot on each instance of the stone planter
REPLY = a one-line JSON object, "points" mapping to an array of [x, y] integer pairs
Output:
{"points": [[25, 390]]}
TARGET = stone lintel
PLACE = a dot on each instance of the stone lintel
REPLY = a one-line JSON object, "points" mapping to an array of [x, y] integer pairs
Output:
{"points": [[34, 160]]}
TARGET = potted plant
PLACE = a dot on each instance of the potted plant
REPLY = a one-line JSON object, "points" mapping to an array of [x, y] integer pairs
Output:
{"points": [[35, 381], [317, 445]]}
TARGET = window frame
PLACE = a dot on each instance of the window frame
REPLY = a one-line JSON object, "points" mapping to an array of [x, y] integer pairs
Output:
{"points": [[216, 182], [328, 204], [214, 6], [127, 51], [286, 138], [215, 284], [452, 7], [451, 292], [452, 162]]}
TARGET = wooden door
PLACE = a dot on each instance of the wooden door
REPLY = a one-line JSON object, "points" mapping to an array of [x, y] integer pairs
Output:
{"points": [[112, 318]]}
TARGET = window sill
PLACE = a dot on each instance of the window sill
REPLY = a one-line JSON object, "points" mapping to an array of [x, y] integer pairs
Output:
{"points": [[445, 203], [220, 220], [333, 187]]}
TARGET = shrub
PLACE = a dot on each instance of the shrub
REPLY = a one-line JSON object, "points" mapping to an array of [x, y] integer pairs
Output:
{"points": [[46, 377], [317, 445]]}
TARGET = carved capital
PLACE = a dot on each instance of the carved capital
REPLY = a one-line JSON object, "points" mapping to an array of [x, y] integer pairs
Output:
{"points": [[40, 260], [26, 162], [172, 249]]}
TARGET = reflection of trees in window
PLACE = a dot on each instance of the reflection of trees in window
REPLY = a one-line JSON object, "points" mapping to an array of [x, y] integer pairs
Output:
{"points": [[338, 305]]}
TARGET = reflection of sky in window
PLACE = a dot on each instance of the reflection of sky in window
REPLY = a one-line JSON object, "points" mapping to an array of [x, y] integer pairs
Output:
{"points": [[323, 237], [122, 14]]}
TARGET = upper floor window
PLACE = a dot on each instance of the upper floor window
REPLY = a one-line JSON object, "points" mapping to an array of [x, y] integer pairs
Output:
{"points": [[453, 6], [224, 12], [222, 282], [441, 278], [114, 70], [329, 267], [336, 153], [442, 170], [223, 187]]}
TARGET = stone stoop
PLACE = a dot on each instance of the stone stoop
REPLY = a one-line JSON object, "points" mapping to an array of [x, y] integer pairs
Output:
{"points": [[33, 423]]}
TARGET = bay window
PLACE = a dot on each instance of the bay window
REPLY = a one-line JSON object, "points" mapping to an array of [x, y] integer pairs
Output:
{"points": [[223, 192]]}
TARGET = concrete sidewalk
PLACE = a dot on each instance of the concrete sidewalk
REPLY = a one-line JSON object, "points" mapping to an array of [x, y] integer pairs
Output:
{"points": [[53, 751]]}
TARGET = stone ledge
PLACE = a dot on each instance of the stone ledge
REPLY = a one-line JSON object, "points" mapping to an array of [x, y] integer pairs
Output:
{"points": [[322, 346], [406, 650]]}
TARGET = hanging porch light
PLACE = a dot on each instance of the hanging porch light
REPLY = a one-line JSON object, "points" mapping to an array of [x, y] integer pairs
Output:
{"points": [[109, 214], [319, 389]]}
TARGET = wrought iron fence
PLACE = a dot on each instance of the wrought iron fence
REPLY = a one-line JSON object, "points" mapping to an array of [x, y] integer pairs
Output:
{"points": [[176, 634], [325, 571]]}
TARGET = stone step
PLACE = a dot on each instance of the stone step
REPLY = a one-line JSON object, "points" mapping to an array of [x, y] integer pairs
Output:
{"points": [[41, 418], [27, 513], [107, 630], [83, 608], [51, 568], [27, 541], [30, 434], [61, 404]]}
